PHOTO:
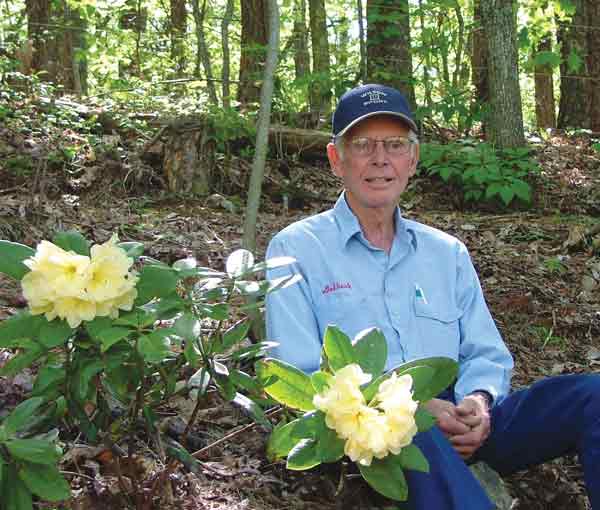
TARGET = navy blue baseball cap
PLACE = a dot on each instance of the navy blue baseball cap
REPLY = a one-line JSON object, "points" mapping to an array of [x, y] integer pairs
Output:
{"points": [[367, 101]]}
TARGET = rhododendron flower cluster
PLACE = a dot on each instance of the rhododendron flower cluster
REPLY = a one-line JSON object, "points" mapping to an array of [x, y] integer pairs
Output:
{"points": [[385, 425], [77, 287]]}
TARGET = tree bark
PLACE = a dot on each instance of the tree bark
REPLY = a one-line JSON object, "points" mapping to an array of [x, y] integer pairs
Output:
{"points": [[389, 60], [545, 106], [299, 35], [178, 29], [225, 70], [253, 44], [593, 16], [38, 19], [203, 55], [362, 41], [505, 125], [479, 59], [262, 130], [320, 87], [573, 110]]}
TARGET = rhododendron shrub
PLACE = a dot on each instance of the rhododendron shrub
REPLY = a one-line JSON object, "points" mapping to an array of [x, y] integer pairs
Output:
{"points": [[353, 408]]}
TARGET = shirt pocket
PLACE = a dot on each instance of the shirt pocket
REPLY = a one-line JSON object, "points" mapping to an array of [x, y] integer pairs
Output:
{"points": [[347, 312], [438, 329]]}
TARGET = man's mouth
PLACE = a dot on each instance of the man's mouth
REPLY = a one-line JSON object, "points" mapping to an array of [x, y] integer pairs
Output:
{"points": [[378, 180]]}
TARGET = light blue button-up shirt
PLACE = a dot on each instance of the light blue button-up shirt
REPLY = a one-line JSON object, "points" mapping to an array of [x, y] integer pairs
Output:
{"points": [[424, 295]]}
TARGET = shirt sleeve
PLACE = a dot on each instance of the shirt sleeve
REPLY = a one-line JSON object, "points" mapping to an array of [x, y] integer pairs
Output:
{"points": [[290, 317], [485, 362]]}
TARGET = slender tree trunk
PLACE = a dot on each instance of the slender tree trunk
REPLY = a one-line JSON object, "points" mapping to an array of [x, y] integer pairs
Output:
{"points": [[545, 107], [427, 64], [253, 44], [320, 87], [203, 53], [460, 46], [227, 17], [389, 58], [300, 38], [362, 41], [593, 16], [479, 59], [506, 117], [573, 110], [178, 30], [262, 130], [38, 19]]}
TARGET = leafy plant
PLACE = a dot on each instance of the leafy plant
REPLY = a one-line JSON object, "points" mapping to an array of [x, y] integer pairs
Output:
{"points": [[106, 371], [480, 170], [555, 265], [343, 409]]}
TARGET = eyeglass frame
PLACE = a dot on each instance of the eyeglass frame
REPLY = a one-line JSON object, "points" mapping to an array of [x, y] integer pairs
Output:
{"points": [[338, 140]]}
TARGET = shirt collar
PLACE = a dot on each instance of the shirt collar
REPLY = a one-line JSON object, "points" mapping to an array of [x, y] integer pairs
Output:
{"points": [[349, 225]]}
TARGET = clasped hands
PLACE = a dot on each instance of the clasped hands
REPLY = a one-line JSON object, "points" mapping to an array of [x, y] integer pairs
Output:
{"points": [[466, 425]]}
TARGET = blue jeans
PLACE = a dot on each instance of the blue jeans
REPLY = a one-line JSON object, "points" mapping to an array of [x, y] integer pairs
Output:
{"points": [[553, 417]]}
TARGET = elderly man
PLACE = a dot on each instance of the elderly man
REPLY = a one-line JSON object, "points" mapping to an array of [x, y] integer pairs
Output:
{"points": [[364, 265]]}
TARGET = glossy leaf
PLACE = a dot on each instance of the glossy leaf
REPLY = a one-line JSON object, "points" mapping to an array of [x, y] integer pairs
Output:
{"points": [[235, 334], [12, 256], [20, 326], [338, 348], [109, 337], [156, 281], [412, 458], [428, 384], [286, 384], [15, 494], [155, 346], [21, 415], [72, 240], [370, 348], [252, 409], [45, 482], [37, 451], [304, 455], [24, 359], [386, 476], [320, 381], [424, 419], [55, 333], [133, 249]]}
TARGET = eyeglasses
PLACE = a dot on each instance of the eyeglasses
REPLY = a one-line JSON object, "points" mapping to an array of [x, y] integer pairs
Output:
{"points": [[393, 145]]}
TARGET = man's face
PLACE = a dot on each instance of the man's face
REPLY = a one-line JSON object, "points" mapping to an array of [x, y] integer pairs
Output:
{"points": [[376, 180]]}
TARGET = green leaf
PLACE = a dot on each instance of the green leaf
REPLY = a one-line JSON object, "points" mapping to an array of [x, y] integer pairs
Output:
{"points": [[386, 476], [338, 348], [235, 334], [424, 420], [89, 368], [133, 249], [444, 372], [370, 350], [136, 318], [109, 337], [72, 241], [21, 415], [38, 451], [23, 360], [253, 351], [245, 381], [55, 333], [286, 384], [45, 482], [192, 354], [156, 281], [49, 377], [12, 256], [22, 325], [218, 312], [252, 409], [16, 495], [187, 326], [155, 347], [320, 381], [411, 457], [284, 437], [303, 456], [99, 324], [507, 194]]}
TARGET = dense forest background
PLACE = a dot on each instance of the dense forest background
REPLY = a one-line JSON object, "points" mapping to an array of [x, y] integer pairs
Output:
{"points": [[144, 117]]}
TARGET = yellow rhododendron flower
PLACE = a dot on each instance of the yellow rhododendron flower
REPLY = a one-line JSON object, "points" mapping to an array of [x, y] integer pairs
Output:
{"points": [[78, 288], [385, 426]]}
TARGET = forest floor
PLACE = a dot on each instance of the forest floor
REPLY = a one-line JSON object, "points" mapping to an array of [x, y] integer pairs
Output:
{"points": [[539, 266]]}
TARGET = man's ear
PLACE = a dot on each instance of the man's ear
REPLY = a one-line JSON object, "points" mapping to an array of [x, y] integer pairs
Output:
{"points": [[415, 160], [335, 160]]}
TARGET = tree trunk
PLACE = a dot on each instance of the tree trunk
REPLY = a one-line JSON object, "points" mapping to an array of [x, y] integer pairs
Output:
{"points": [[225, 70], [593, 16], [362, 41], [505, 125], [389, 60], [427, 64], [545, 107], [38, 19], [178, 30], [299, 35], [203, 55], [573, 110], [262, 130], [479, 59], [460, 47], [253, 44], [320, 87]]}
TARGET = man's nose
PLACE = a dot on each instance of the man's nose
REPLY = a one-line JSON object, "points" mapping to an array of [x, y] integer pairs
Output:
{"points": [[380, 154]]}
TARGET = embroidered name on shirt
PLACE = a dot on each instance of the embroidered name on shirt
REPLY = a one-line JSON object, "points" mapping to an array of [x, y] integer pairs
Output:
{"points": [[332, 287]]}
